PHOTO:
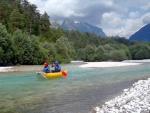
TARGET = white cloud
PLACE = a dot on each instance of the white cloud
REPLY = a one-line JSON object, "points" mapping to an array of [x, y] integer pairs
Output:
{"points": [[146, 18], [134, 14], [59, 8], [131, 26], [114, 24], [146, 6], [110, 22], [115, 17]]}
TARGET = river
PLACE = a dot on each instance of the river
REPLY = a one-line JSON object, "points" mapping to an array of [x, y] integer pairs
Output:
{"points": [[82, 89]]}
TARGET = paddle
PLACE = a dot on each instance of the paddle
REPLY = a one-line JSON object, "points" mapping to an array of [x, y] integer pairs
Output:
{"points": [[64, 73]]}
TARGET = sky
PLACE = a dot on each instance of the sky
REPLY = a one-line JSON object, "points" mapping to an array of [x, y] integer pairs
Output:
{"points": [[116, 17]]}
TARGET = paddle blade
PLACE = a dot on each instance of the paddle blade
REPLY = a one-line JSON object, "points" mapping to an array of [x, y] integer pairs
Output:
{"points": [[64, 73]]}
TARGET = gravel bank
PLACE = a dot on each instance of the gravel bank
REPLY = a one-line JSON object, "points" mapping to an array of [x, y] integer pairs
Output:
{"points": [[133, 100], [21, 68]]}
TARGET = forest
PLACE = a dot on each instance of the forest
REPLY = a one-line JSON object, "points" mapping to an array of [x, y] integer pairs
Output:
{"points": [[30, 38]]}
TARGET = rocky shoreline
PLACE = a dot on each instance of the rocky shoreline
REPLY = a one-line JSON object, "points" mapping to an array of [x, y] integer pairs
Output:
{"points": [[133, 100]]}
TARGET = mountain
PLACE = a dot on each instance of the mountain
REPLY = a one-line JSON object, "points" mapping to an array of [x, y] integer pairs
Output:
{"points": [[82, 27], [143, 34]]}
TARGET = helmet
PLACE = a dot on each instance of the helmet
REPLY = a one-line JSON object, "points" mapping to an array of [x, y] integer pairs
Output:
{"points": [[56, 62], [46, 64]]}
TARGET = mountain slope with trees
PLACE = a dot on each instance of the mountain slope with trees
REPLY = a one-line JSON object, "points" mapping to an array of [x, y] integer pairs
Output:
{"points": [[28, 38]]}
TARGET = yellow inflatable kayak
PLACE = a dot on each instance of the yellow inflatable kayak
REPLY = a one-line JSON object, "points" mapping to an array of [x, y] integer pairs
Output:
{"points": [[51, 75]]}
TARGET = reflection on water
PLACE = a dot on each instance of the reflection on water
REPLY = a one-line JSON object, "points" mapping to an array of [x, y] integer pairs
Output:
{"points": [[82, 89]]}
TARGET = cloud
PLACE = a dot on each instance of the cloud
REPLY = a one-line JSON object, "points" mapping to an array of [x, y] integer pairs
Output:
{"points": [[85, 9], [115, 24], [134, 14], [146, 6], [146, 18], [115, 17], [110, 22]]}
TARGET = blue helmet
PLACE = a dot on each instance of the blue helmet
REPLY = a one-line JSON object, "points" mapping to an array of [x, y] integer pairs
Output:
{"points": [[56, 62]]}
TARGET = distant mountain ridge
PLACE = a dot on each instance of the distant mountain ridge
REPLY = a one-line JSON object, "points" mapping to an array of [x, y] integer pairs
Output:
{"points": [[82, 27], [142, 35]]}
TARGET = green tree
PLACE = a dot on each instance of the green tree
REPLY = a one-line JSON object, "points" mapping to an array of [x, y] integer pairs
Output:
{"points": [[6, 49], [117, 55], [21, 45], [100, 53], [16, 21], [34, 15], [89, 53], [51, 51], [44, 25], [27, 49], [140, 51], [64, 50], [38, 53], [4, 12], [31, 16]]}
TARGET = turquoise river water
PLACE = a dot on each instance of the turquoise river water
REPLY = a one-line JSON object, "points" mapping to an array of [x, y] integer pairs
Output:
{"points": [[82, 89]]}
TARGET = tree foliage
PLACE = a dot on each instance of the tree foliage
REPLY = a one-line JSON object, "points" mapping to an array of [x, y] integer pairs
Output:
{"points": [[27, 37], [140, 51], [24, 16], [6, 49]]}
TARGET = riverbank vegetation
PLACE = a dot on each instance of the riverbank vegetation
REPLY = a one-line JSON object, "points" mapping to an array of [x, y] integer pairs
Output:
{"points": [[29, 38]]}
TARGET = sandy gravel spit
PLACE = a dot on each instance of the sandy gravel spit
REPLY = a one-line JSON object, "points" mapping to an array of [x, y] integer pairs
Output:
{"points": [[21, 68], [6, 69], [108, 64]]}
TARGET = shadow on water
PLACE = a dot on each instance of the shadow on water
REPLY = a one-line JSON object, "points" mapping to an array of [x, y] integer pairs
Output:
{"points": [[81, 90]]}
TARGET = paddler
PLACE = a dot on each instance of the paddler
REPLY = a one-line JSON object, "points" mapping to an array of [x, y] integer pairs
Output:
{"points": [[46, 68], [56, 66]]}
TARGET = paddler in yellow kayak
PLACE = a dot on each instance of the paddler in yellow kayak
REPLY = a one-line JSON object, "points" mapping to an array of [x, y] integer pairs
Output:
{"points": [[56, 66], [46, 68]]}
